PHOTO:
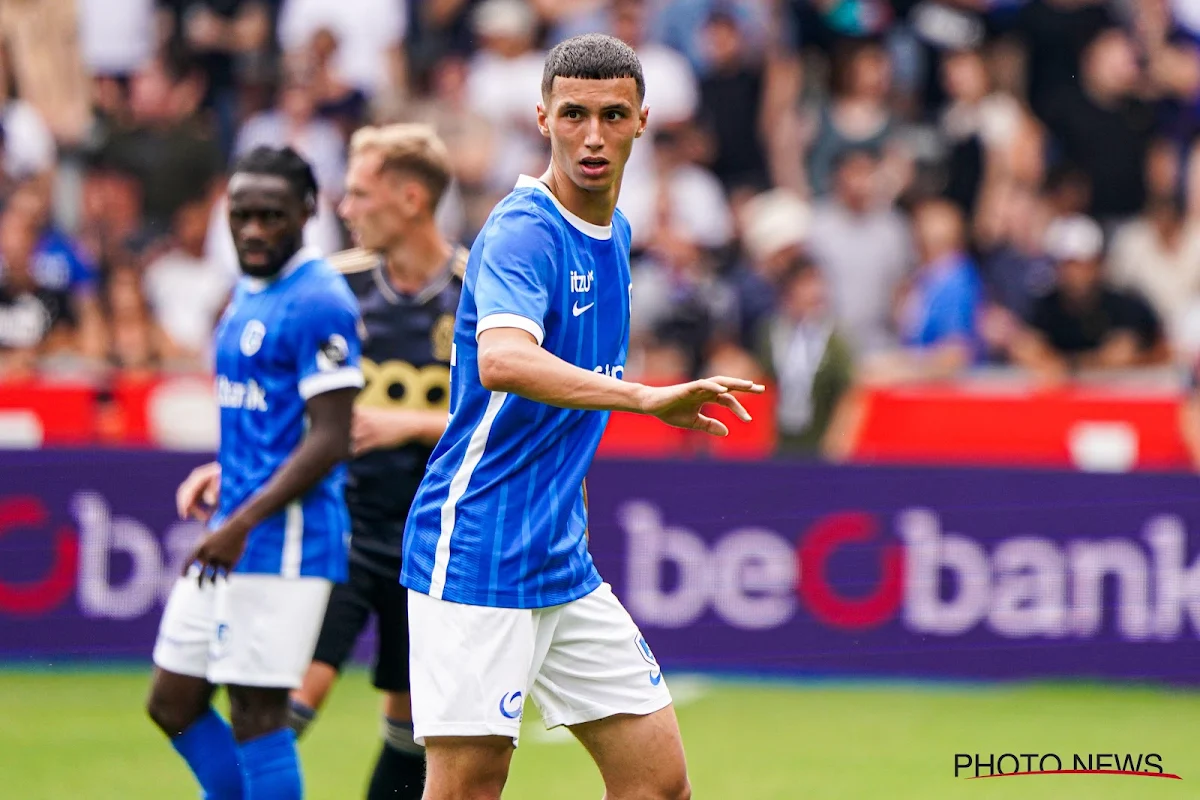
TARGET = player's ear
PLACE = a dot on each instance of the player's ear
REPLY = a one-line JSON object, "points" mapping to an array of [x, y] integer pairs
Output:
{"points": [[543, 120], [643, 116]]}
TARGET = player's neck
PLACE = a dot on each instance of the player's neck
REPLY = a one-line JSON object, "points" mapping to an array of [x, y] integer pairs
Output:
{"points": [[413, 262], [594, 207]]}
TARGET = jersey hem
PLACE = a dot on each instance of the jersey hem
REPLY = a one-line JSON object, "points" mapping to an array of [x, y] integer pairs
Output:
{"points": [[508, 599]]}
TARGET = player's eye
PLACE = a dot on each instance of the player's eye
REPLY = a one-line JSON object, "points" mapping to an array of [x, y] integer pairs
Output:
{"points": [[613, 116], [573, 113]]}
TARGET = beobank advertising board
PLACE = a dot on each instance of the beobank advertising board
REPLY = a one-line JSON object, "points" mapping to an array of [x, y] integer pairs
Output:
{"points": [[759, 567]]}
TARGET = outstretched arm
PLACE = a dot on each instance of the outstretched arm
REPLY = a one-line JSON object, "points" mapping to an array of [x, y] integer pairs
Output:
{"points": [[511, 361]]}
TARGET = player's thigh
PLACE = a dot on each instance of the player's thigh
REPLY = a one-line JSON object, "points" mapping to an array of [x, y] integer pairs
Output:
{"points": [[267, 628], [389, 601], [466, 768], [470, 668], [598, 665], [600, 678], [639, 757]]}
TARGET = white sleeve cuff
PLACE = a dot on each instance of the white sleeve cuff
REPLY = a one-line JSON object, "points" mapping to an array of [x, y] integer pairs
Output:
{"points": [[531, 327], [322, 382]]}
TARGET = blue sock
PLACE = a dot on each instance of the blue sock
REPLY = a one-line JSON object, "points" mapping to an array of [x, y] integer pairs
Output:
{"points": [[209, 749], [271, 766]]}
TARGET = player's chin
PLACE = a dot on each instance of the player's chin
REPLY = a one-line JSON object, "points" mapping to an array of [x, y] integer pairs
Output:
{"points": [[595, 180], [259, 265]]}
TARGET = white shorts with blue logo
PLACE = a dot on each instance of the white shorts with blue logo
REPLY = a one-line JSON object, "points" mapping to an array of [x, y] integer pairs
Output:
{"points": [[473, 667], [246, 630]]}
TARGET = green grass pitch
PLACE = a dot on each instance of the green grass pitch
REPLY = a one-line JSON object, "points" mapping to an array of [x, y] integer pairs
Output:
{"points": [[81, 734]]}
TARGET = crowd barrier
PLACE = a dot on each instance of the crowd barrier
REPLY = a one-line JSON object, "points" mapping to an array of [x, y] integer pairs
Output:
{"points": [[977, 422], [738, 567]]}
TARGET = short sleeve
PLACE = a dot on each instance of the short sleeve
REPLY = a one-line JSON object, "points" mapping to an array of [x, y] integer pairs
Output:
{"points": [[329, 348], [516, 273]]}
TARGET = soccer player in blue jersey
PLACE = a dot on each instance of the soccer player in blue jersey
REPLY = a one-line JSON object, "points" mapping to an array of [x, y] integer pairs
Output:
{"points": [[504, 602], [247, 611]]}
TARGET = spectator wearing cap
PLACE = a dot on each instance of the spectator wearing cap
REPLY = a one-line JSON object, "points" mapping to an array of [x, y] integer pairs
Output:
{"points": [[773, 228], [1085, 322]]}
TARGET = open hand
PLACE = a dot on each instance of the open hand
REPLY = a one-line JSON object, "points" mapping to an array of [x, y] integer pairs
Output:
{"points": [[680, 405], [196, 497]]}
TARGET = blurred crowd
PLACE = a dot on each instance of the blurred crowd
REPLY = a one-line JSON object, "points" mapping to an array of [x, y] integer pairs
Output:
{"points": [[831, 193]]}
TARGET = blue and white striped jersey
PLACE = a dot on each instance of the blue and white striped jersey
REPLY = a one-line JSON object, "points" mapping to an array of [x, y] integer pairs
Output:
{"points": [[499, 519], [279, 343]]}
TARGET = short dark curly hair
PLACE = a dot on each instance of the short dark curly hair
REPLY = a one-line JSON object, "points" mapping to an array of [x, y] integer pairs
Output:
{"points": [[282, 162], [592, 56]]}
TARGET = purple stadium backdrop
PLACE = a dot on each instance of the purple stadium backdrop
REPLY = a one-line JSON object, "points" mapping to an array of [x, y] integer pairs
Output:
{"points": [[781, 568]]}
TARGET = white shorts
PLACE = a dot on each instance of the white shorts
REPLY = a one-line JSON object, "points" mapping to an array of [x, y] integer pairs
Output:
{"points": [[247, 630], [473, 667]]}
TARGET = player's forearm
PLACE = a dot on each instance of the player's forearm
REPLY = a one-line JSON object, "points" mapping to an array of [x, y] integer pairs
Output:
{"points": [[525, 369], [308, 464], [423, 427], [326, 443]]}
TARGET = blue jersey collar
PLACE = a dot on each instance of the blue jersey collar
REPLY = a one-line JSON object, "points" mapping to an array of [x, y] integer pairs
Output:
{"points": [[603, 232], [299, 259]]}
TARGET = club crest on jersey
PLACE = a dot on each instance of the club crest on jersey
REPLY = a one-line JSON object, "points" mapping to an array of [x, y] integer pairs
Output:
{"points": [[333, 353], [581, 282], [443, 337], [252, 337]]}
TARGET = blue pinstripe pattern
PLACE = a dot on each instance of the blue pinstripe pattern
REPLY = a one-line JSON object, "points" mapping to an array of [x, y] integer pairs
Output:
{"points": [[520, 520], [267, 343]]}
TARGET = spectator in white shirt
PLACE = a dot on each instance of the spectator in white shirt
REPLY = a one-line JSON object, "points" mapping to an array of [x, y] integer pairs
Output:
{"points": [[504, 82], [370, 34], [186, 289]]}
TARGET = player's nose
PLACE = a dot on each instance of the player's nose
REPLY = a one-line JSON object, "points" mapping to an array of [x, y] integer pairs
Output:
{"points": [[594, 140]]}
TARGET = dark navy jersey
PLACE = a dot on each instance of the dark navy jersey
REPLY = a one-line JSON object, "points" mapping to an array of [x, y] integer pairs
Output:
{"points": [[406, 364]]}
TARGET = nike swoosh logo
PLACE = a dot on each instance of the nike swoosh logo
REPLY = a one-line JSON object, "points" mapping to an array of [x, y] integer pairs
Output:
{"points": [[656, 678], [576, 310]]}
